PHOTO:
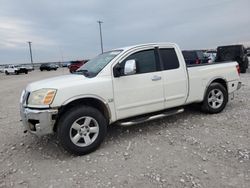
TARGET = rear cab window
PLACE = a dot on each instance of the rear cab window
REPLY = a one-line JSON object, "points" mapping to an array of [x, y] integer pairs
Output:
{"points": [[169, 58]]}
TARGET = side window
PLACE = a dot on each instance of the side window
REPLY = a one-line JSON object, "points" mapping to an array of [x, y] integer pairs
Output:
{"points": [[169, 58], [145, 61]]}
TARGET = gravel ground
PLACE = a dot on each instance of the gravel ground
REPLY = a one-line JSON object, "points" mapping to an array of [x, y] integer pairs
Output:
{"points": [[191, 149]]}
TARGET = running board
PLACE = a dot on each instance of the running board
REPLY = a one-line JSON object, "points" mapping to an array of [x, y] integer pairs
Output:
{"points": [[151, 117]]}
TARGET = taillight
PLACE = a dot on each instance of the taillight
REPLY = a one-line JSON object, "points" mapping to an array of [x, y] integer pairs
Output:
{"points": [[238, 69]]}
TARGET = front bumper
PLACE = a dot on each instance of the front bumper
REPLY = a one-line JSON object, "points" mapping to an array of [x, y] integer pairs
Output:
{"points": [[39, 122]]}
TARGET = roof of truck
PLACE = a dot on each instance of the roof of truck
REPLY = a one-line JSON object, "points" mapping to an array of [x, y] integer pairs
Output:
{"points": [[146, 44]]}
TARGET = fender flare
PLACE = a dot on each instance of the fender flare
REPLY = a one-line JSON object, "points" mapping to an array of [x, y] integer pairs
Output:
{"points": [[96, 97], [211, 81]]}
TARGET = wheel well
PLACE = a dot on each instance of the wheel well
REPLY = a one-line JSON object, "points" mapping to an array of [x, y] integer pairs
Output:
{"points": [[221, 81], [87, 102], [218, 80]]}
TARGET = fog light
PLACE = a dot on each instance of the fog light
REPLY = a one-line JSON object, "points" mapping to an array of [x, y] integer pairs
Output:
{"points": [[32, 124]]}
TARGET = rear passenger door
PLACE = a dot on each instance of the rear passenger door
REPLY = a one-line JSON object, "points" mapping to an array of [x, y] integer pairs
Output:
{"points": [[175, 79]]}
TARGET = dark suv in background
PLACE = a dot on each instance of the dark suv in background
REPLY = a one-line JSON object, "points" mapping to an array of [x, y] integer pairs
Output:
{"points": [[195, 57], [48, 67], [233, 53]]}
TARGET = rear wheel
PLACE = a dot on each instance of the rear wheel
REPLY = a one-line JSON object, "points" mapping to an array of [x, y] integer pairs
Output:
{"points": [[82, 129], [215, 99]]}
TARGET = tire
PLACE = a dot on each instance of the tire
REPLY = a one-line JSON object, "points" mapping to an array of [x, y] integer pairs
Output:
{"points": [[215, 99], [77, 138], [41, 69], [16, 72], [243, 70], [7, 73], [26, 72], [243, 67]]}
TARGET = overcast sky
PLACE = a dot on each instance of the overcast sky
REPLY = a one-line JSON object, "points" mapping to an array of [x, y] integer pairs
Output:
{"points": [[64, 29]]}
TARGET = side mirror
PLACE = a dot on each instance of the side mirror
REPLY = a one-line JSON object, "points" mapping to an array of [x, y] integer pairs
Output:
{"points": [[130, 67], [117, 70]]}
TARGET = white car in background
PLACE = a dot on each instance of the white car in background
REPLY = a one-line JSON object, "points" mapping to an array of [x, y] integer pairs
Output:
{"points": [[248, 55], [211, 54], [15, 69]]}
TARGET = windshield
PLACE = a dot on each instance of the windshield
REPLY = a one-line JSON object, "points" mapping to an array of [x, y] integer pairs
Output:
{"points": [[95, 65]]}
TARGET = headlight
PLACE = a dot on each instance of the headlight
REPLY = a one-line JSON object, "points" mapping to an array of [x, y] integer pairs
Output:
{"points": [[42, 97]]}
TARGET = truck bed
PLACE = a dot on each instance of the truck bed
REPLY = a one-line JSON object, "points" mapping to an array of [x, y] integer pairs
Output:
{"points": [[201, 76]]}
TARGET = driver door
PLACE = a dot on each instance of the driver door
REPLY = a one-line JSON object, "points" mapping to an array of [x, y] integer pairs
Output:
{"points": [[141, 92]]}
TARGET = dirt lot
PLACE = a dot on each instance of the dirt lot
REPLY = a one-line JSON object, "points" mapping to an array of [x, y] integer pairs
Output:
{"points": [[187, 150]]}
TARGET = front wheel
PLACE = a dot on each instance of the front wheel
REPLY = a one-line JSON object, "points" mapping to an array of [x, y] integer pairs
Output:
{"points": [[215, 99], [7, 73], [81, 130]]}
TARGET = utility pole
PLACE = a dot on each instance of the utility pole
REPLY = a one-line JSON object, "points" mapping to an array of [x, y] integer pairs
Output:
{"points": [[100, 28], [31, 58]]}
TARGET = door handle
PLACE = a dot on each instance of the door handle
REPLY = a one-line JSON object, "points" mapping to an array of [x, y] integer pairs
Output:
{"points": [[155, 78]]}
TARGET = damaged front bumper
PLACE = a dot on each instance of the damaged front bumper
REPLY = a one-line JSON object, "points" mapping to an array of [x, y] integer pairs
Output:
{"points": [[38, 121]]}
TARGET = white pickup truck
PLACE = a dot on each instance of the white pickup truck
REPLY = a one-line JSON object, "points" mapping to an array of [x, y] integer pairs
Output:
{"points": [[15, 69], [124, 86]]}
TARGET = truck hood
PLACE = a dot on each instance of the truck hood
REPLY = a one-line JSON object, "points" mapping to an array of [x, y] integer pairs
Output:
{"points": [[56, 82]]}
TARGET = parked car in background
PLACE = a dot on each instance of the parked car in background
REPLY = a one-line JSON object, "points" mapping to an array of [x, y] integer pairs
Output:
{"points": [[29, 68], [48, 67], [74, 65], [65, 64], [211, 55], [15, 69], [248, 55], [233, 53], [125, 86], [194, 57]]}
